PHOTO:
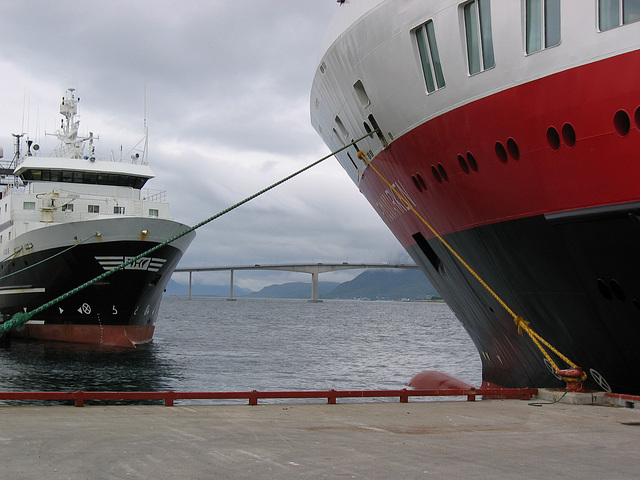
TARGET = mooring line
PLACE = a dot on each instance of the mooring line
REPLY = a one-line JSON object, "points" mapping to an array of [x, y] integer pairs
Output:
{"points": [[43, 260], [520, 322], [20, 318]]}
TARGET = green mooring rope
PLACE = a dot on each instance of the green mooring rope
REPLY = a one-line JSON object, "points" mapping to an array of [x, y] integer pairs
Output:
{"points": [[97, 234], [22, 317]]}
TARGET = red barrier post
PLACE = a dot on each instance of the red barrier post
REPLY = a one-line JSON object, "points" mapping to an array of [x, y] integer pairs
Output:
{"points": [[331, 398], [404, 396], [79, 398], [471, 396]]}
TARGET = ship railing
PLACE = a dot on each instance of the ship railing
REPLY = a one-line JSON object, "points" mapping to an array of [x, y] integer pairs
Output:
{"points": [[170, 396], [154, 195]]}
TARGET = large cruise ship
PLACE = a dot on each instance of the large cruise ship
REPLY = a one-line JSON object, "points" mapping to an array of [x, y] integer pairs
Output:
{"points": [[505, 157], [69, 217]]}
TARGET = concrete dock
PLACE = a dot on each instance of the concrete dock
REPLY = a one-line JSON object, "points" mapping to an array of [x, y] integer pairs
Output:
{"points": [[496, 439]]}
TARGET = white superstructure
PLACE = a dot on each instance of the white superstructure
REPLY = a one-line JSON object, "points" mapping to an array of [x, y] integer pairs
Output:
{"points": [[73, 184]]}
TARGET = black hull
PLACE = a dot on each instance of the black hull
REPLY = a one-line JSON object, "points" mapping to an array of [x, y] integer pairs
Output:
{"points": [[127, 298], [574, 278]]}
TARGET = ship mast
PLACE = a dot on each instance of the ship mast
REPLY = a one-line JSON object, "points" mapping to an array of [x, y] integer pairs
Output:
{"points": [[72, 145]]}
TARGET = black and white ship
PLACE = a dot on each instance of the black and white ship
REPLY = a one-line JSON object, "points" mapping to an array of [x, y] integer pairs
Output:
{"points": [[67, 218]]}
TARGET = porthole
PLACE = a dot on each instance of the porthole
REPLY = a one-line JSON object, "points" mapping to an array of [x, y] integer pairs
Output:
{"points": [[604, 289], [443, 172], [621, 123], [436, 173], [617, 290], [501, 152], [463, 164], [471, 160], [636, 118], [512, 148], [553, 137], [416, 183], [569, 135], [421, 181]]}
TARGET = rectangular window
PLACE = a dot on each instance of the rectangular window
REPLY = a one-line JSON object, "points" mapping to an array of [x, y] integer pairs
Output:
{"points": [[67, 207], [543, 24], [118, 210], [477, 23], [614, 13], [94, 209], [153, 212], [28, 205], [429, 57]]}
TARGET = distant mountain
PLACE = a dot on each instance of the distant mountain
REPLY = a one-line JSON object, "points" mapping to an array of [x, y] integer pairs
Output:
{"points": [[374, 284], [293, 290], [386, 284]]}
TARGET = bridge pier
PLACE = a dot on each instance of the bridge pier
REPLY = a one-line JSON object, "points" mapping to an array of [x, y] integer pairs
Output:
{"points": [[314, 288], [231, 299], [190, 278]]}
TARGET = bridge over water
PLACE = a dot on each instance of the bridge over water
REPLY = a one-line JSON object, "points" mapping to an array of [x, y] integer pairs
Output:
{"points": [[315, 269]]}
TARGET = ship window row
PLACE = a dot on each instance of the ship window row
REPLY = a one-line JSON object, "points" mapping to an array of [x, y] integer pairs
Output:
{"points": [[68, 207], [95, 178], [542, 20]]}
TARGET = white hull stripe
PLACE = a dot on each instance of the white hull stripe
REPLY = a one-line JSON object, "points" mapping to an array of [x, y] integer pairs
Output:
{"points": [[145, 263], [13, 291]]}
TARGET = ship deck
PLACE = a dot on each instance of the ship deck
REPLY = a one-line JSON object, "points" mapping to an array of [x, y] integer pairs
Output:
{"points": [[497, 439]]}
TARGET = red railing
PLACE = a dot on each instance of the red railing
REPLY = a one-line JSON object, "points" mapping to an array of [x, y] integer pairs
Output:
{"points": [[253, 396]]}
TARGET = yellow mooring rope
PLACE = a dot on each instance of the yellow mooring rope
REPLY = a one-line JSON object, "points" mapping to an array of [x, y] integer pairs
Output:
{"points": [[520, 322]]}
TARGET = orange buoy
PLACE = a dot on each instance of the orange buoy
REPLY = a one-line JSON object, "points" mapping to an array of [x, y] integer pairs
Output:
{"points": [[432, 380]]}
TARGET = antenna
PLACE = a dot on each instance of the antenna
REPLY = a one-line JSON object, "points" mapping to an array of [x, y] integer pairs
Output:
{"points": [[145, 159]]}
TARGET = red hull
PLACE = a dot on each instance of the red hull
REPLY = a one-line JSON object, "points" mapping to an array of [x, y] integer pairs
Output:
{"points": [[108, 335], [594, 162]]}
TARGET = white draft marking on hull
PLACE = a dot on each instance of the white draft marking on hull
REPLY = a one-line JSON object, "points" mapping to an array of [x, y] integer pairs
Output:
{"points": [[85, 309]]}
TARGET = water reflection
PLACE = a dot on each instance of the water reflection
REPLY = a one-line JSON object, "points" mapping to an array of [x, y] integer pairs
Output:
{"points": [[47, 366]]}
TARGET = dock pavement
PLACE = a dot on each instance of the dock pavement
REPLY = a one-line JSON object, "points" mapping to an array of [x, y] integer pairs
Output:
{"points": [[488, 439]]}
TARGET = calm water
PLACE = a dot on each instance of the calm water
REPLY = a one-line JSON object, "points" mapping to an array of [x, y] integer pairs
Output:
{"points": [[211, 344]]}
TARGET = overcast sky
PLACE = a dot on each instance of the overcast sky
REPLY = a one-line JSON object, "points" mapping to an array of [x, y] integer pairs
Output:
{"points": [[227, 101]]}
